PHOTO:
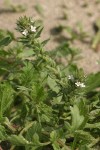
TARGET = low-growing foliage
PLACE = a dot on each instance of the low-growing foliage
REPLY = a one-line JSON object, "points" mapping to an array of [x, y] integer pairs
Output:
{"points": [[14, 8], [96, 39], [45, 104], [39, 9]]}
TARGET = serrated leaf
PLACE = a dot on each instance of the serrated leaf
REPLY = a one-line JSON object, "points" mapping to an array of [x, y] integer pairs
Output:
{"points": [[52, 84], [45, 118], [77, 119], [3, 134], [53, 136], [36, 139], [36, 128], [94, 113], [85, 136], [56, 146], [6, 98], [93, 126], [18, 140]]}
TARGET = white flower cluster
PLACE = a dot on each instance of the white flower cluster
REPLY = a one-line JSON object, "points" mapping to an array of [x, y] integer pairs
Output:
{"points": [[70, 77], [78, 84], [32, 28], [25, 32]]}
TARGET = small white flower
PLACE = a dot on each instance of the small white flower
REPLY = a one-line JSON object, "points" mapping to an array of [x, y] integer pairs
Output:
{"points": [[79, 84], [70, 77], [33, 29], [25, 32], [82, 85]]}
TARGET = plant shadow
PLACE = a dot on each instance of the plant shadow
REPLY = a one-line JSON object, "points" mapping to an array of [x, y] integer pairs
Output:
{"points": [[3, 11]]}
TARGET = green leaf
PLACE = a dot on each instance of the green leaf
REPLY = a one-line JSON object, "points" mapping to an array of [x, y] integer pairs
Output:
{"points": [[94, 114], [39, 30], [84, 147], [45, 42], [86, 137], [18, 140], [26, 54], [77, 119], [36, 139], [53, 136], [93, 126], [6, 98], [56, 146], [93, 81], [45, 118], [5, 41], [3, 134], [36, 128], [52, 84], [96, 40]]}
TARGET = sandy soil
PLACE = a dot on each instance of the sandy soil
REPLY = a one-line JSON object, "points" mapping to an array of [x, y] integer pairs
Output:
{"points": [[76, 12]]}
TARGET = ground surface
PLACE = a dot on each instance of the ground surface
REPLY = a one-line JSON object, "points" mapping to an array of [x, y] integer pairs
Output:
{"points": [[76, 12]]}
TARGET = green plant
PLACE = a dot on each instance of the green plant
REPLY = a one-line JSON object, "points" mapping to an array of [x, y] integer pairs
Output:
{"points": [[97, 1], [44, 104], [15, 8], [73, 34], [39, 9], [96, 38]]}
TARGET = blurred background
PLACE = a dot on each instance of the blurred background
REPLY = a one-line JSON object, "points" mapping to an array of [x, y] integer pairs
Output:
{"points": [[75, 21]]}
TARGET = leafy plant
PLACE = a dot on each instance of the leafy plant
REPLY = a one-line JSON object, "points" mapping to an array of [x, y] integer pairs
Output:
{"points": [[73, 34], [39, 9], [96, 39], [15, 8], [45, 104]]}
